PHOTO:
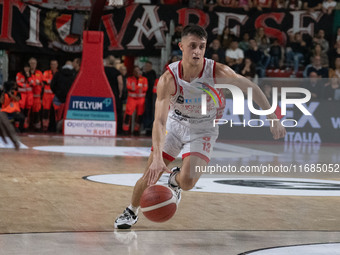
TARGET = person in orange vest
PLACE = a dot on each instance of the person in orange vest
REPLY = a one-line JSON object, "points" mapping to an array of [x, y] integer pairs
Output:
{"points": [[10, 104], [25, 85], [136, 85], [37, 77], [48, 94]]}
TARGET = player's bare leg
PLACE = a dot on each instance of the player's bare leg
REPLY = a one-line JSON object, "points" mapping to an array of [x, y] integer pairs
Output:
{"points": [[129, 216], [185, 177]]}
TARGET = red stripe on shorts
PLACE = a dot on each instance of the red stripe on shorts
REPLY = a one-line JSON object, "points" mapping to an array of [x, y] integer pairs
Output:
{"points": [[166, 155], [200, 155]]}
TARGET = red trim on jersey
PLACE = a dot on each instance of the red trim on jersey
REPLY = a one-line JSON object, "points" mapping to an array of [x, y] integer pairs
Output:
{"points": [[173, 76], [165, 155], [180, 69], [200, 155]]}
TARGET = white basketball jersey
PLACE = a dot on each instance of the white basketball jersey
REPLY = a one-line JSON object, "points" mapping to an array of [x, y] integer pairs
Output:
{"points": [[186, 103]]}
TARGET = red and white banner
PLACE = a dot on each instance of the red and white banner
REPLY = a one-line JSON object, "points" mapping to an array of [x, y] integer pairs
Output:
{"points": [[140, 29], [62, 4]]}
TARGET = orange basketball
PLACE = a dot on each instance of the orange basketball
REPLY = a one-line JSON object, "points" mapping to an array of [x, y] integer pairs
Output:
{"points": [[158, 203]]}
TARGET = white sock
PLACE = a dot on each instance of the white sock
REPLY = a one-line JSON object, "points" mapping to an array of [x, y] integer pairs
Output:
{"points": [[173, 180], [134, 209]]}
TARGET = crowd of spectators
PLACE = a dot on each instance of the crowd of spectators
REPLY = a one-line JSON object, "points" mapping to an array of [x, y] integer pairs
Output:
{"points": [[255, 55], [34, 109], [35, 101]]}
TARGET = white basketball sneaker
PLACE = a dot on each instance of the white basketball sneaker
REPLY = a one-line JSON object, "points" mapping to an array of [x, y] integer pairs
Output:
{"points": [[177, 190], [126, 219]]}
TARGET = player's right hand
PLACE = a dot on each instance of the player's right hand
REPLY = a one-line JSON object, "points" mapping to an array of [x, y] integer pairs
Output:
{"points": [[155, 169], [277, 130], [6, 129]]}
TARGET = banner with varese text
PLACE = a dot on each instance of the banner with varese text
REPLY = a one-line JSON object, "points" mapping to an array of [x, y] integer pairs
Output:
{"points": [[141, 29]]}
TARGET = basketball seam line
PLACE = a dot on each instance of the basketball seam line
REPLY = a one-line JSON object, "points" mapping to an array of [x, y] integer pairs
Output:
{"points": [[153, 207]]}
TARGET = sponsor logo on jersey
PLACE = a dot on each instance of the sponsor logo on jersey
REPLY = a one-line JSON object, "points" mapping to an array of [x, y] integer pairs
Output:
{"points": [[180, 99]]}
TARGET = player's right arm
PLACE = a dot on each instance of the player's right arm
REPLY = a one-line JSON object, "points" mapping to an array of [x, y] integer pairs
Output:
{"points": [[165, 88], [225, 72]]}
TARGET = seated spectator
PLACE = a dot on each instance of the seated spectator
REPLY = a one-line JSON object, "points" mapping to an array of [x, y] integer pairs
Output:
{"points": [[296, 52], [244, 44], [227, 3], [334, 53], [245, 4], [175, 39], [314, 86], [280, 4], [275, 53], [171, 60], [320, 39], [196, 4], [294, 5], [247, 69], [263, 43], [260, 36], [216, 48], [330, 88], [328, 6], [260, 4], [9, 101], [257, 57], [317, 51], [337, 37], [335, 73], [312, 5], [316, 67], [226, 37], [215, 57], [234, 56], [209, 5]]}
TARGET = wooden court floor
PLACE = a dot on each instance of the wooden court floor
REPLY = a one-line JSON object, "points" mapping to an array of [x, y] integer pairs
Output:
{"points": [[44, 192]]}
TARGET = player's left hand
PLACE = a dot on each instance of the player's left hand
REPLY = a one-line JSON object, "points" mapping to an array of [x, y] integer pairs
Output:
{"points": [[155, 169], [277, 130]]}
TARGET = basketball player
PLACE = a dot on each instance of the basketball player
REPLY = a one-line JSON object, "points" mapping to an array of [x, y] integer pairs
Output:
{"points": [[7, 129], [172, 129]]}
